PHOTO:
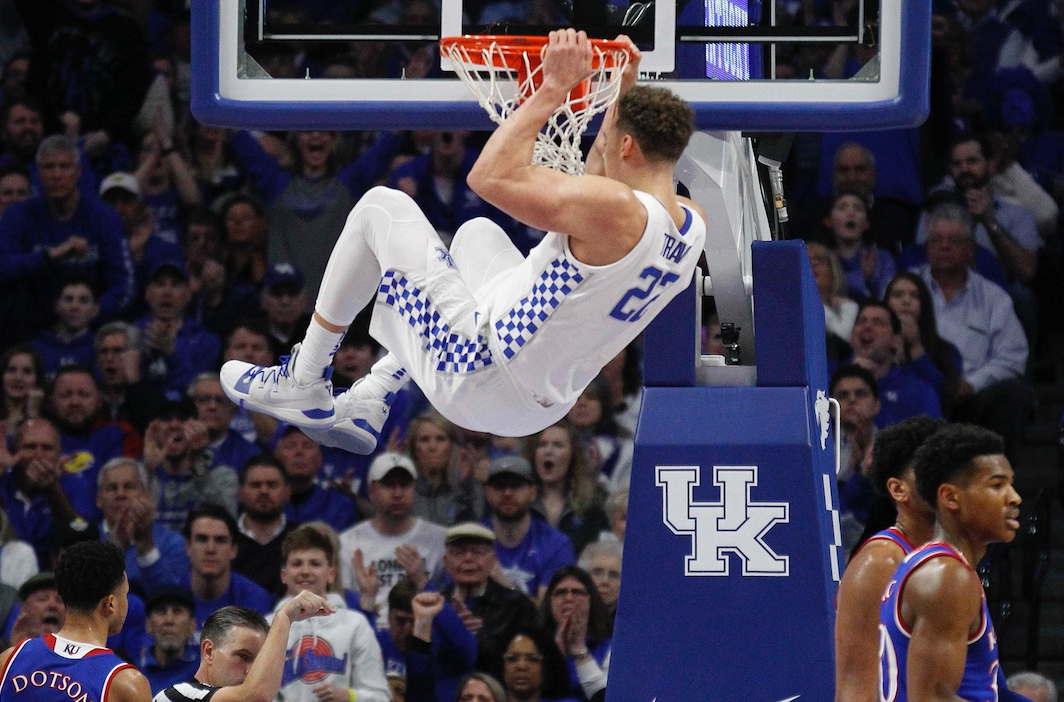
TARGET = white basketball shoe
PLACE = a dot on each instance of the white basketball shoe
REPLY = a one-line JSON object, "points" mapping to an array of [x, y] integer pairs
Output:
{"points": [[273, 390], [360, 417]]}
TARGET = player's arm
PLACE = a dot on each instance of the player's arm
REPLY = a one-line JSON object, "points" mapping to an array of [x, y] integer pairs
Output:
{"points": [[857, 621], [129, 685], [585, 208], [263, 681], [595, 163], [941, 602]]}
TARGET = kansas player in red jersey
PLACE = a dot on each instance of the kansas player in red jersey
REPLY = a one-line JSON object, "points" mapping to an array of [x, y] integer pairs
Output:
{"points": [[936, 638], [874, 562], [74, 664]]}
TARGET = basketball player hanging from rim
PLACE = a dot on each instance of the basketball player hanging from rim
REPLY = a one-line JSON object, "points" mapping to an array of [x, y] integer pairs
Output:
{"points": [[501, 343]]}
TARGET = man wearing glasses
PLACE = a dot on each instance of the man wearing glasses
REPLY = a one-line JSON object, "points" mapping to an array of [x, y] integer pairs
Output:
{"points": [[493, 613], [215, 410]]}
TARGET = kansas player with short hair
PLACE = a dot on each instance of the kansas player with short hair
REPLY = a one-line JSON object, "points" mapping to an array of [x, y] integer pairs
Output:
{"points": [[74, 664], [874, 562], [937, 641], [498, 342]]}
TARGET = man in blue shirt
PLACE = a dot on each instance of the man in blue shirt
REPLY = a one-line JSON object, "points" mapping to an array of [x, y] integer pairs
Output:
{"points": [[58, 234], [75, 404], [155, 555], [216, 411], [211, 535], [875, 342], [31, 490], [178, 348], [302, 460], [528, 548], [173, 656], [70, 341], [21, 131]]}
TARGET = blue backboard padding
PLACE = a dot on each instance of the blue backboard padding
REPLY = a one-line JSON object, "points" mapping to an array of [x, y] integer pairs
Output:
{"points": [[727, 638], [669, 349], [789, 317], [908, 109]]}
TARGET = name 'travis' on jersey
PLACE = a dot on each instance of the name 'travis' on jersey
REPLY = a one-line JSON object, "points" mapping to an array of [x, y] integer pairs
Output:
{"points": [[733, 525]]}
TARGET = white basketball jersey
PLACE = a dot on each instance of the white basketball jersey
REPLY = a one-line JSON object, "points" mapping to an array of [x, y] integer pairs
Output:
{"points": [[555, 322]]}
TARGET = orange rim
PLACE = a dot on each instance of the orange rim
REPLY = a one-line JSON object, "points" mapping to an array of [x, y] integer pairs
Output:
{"points": [[513, 49]]}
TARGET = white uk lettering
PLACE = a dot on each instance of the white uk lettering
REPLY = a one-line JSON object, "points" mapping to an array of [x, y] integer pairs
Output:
{"points": [[33, 678], [734, 525], [19, 682]]}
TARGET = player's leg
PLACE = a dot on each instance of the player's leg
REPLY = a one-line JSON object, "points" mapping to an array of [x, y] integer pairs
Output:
{"points": [[482, 250], [386, 231]]}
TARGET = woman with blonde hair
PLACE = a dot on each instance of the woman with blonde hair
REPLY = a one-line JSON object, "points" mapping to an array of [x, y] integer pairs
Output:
{"points": [[444, 493], [570, 497], [840, 312]]}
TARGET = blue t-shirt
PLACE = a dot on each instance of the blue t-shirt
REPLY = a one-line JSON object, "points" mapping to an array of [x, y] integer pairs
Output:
{"points": [[182, 669], [30, 518], [241, 591], [902, 394], [532, 563], [167, 214], [86, 455], [334, 508], [234, 451], [28, 228], [81, 351]]}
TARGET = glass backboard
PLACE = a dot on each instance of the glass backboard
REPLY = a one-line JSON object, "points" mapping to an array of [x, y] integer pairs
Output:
{"points": [[374, 64]]}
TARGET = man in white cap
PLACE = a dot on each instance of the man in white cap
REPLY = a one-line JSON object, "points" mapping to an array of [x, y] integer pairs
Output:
{"points": [[375, 553]]}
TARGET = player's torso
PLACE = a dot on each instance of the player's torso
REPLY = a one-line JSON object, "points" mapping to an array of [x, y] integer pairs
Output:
{"points": [[980, 673], [53, 669], [594, 311]]}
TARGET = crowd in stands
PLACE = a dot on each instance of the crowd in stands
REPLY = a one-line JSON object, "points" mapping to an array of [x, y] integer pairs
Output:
{"points": [[139, 249]]}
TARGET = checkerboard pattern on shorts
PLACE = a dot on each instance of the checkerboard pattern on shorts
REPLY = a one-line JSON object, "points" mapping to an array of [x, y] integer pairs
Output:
{"points": [[516, 327], [453, 353]]}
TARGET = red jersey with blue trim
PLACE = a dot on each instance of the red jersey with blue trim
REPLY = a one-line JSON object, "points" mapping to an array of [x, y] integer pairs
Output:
{"points": [[54, 669], [980, 681]]}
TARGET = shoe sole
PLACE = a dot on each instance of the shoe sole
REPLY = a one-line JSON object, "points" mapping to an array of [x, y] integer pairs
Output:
{"points": [[352, 438], [304, 419]]}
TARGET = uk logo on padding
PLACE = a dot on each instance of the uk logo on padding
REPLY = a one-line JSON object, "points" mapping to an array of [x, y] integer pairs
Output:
{"points": [[734, 525]]}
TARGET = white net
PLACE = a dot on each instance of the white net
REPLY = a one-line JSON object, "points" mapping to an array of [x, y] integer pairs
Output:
{"points": [[501, 76]]}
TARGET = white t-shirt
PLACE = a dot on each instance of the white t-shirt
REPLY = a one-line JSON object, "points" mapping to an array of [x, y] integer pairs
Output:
{"points": [[379, 549]]}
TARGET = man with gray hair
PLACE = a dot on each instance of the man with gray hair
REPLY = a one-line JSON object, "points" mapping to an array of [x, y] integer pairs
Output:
{"points": [[216, 412], [977, 317], [59, 234], [126, 398], [1035, 686], [155, 555]]}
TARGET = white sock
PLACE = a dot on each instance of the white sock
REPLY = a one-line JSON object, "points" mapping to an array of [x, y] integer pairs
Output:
{"points": [[386, 376], [316, 353]]}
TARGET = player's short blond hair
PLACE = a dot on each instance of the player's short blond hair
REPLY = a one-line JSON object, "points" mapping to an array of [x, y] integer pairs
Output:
{"points": [[660, 122]]}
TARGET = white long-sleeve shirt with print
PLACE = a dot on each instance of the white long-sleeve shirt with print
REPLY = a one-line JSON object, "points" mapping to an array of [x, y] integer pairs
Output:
{"points": [[340, 649]]}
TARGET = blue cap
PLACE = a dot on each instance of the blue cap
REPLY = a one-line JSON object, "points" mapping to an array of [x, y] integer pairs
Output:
{"points": [[174, 264], [282, 273]]}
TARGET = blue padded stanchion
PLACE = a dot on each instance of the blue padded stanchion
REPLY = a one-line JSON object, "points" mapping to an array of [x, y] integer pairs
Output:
{"points": [[732, 547]]}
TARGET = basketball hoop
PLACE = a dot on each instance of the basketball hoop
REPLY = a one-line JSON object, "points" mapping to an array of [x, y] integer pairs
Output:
{"points": [[503, 71]]}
